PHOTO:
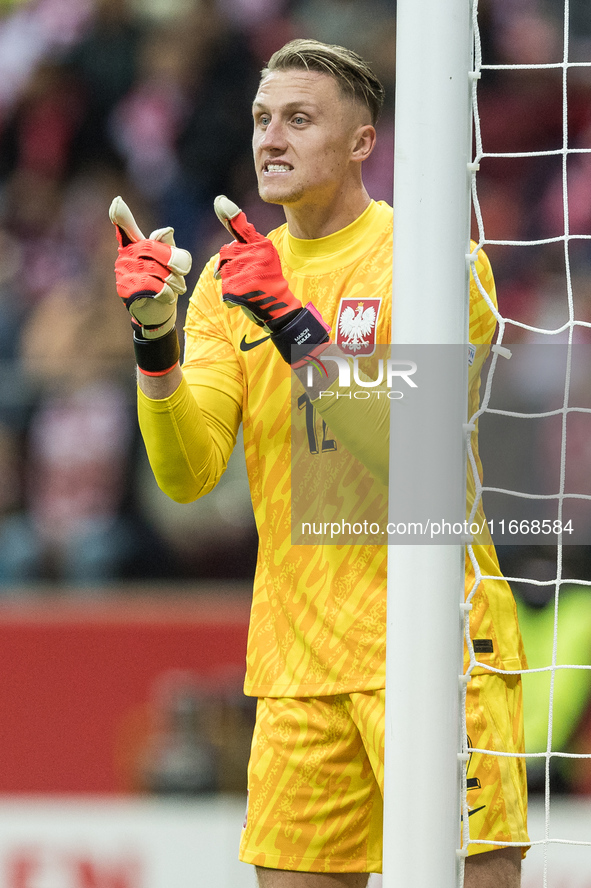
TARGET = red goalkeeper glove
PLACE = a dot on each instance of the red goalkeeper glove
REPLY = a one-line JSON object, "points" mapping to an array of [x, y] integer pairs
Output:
{"points": [[149, 275], [252, 278]]}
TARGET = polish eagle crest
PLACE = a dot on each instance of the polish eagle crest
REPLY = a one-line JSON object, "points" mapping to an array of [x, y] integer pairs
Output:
{"points": [[356, 326]]}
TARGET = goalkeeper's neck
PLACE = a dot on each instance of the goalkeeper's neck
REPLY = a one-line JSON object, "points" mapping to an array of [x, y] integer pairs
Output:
{"points": [[310, 219]]}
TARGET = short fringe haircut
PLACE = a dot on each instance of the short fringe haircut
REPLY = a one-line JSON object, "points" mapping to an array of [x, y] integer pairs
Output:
{"points": [[352, 73]]}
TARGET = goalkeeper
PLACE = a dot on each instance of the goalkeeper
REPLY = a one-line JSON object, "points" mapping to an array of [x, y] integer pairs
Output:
{"points": [[316, 646]]}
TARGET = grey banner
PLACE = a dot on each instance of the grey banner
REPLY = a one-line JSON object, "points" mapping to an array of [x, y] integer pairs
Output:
{"points": [[527, 479], [535, 444], [342, 455]]}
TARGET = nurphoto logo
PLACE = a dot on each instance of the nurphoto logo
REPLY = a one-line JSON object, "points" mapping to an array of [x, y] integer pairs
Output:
{"points": [[389, 372]]}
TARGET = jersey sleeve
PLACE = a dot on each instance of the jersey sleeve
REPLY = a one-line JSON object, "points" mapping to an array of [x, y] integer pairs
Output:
{"points": [[362, 426], [349, 420], [483, 302], [493, 615], [190, 435]]}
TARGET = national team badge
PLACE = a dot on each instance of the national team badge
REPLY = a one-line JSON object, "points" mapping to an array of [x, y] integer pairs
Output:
{"points": [[356, 325]]}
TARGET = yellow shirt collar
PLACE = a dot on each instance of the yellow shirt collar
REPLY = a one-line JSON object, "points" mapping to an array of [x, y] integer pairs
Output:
{"points": [[344, 247]]}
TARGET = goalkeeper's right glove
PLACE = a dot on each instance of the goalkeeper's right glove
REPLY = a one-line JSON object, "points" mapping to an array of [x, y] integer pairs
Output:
{"points": [[149, 274], [250, 269]]}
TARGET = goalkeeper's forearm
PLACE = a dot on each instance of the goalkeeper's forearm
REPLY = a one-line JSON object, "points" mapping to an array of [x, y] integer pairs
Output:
{"points": [[158, 387], [189, 434], [362, 426], [320, 382]]}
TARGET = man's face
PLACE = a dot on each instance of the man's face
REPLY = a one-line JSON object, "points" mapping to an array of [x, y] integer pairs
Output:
{"points": [[303, 135]]}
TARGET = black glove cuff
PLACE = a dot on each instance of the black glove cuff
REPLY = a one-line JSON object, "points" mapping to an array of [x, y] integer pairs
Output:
{"points": [[156, 355], [297, 338]]}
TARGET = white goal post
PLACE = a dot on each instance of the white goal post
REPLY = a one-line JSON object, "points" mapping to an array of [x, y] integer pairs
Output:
{"points": [[430, 306]]}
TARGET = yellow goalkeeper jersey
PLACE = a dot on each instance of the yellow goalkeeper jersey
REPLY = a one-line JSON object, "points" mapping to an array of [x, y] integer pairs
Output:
{"points": [[318, 617]]}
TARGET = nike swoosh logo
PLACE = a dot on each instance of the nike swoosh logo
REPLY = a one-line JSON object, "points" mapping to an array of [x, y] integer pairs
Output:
{"points": [[246, 346], [474, 811]]}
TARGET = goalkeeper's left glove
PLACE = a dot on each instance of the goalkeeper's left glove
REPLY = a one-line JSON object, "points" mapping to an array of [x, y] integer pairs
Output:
{"points": [[149, 274], [252, 278]]}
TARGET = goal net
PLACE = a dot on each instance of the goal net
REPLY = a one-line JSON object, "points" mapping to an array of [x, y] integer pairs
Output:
{"points": [[526, 71], [538, 412]]}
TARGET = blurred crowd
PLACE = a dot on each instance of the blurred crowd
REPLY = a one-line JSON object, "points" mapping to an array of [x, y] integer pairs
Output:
{"points": [[151, 99], [539, 195]]}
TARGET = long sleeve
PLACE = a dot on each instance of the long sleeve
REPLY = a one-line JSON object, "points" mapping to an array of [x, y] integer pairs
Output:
{"points": [[190, 435], [362, 426]]}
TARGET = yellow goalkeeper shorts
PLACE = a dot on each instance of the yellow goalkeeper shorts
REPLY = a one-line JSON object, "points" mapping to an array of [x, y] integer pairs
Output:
{"points": [[497, 787], [316, 776]]}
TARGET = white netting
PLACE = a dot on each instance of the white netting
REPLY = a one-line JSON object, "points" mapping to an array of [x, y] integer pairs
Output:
{"points": [[551, 313]]}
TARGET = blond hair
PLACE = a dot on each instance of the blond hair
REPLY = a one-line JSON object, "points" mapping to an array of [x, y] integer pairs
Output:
{"points": [[351, 72]]}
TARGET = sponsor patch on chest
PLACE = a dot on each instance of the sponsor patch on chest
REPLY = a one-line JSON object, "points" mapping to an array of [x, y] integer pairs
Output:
{"points": [[356, 325]]}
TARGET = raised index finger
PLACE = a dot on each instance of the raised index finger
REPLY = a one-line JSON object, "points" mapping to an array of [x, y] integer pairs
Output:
{"points": [[128, 231], [235, 221]]}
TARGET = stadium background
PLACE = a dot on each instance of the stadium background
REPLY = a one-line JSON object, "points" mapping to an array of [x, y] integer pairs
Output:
{"points": [[122, 615]]}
